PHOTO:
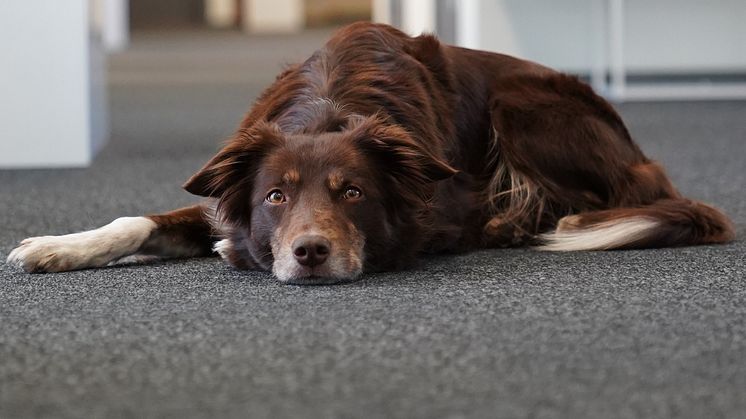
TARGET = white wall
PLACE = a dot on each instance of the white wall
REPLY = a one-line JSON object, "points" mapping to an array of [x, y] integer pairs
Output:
{"points": [[46, 113], [672, 34], [660, 35]]}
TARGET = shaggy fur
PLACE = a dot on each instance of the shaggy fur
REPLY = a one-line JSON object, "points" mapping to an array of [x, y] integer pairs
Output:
{"points": [[381, 146]]}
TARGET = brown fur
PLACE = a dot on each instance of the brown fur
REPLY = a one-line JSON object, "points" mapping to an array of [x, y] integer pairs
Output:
{"points": [[531, 146], [453, 149]]}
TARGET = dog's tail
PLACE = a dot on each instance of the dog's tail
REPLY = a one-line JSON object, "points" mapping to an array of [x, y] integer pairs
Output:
{"points": [[664, 223]]}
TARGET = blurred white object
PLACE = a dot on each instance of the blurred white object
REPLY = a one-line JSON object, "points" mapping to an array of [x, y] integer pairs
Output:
{"points": [[273, 16], [53, 111], [111, 19], [381, 11], [418, 16], [467, 24], [220, 13]]}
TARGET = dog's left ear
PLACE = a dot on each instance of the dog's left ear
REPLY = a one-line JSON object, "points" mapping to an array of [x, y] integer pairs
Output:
{"points": [[235, 164], [395, 149]]}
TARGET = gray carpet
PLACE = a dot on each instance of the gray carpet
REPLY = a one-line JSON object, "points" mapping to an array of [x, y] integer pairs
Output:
{"points": [[498, 333]]}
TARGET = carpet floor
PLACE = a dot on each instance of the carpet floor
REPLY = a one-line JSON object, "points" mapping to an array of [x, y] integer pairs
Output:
{"points": [[494, 333]]}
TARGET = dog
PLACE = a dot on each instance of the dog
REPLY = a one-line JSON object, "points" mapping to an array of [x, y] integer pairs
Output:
{"points": [[381, 147]]}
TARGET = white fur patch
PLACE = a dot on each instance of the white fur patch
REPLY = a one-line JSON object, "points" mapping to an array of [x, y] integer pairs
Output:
{"points": [[89, 249], [604, 236], [222, 247]]}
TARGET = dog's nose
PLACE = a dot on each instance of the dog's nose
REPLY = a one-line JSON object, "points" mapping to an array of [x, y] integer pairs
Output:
{"points": [[311, 250]]}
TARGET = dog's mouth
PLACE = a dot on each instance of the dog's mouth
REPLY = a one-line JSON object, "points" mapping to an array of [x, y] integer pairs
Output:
{"points": [[318, 280], [316, 276]]}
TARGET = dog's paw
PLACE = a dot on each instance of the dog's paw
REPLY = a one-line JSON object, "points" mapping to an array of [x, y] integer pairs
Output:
{"points": [[500, 232], [88, 249], [48, 254]]}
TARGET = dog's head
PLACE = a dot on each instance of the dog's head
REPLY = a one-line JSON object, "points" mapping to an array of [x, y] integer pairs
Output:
{"points": [[320, 208]]}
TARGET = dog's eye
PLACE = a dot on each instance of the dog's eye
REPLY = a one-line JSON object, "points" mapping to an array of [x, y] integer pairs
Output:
{"points": [[276, 197], [352, 193]]}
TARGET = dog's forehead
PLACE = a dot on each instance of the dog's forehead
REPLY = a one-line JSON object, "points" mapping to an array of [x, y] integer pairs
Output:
{"points": [[330, 155]]}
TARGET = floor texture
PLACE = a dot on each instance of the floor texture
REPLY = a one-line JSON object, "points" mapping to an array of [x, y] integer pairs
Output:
{"points": [[503, 333]]}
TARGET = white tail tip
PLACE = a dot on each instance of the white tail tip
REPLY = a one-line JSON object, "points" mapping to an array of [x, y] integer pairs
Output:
{"points": [[603, 236]]}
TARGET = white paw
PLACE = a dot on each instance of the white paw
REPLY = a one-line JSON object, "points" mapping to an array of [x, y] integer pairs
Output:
{"points": [[89, 249], [48, 254]]}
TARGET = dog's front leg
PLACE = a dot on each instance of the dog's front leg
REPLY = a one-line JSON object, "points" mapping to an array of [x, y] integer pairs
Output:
{"points": [[181, 233]]}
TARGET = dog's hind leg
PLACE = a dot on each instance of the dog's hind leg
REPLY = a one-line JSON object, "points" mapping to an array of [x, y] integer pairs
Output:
{"points": [[567, 170], [184, 232]]}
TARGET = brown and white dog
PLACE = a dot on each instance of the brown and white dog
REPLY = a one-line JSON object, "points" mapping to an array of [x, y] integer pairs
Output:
{"points": [[381, 146]]}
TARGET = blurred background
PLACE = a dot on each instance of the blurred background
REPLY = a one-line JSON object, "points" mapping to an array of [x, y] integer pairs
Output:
{"points": [[78, 73]]}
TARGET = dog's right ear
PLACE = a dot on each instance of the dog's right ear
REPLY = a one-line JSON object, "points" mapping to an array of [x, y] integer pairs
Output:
{"points": [[235, 162]]}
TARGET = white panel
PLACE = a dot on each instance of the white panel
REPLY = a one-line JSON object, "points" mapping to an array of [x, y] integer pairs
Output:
{"points": [[659, 36], [44, 111], [684, 35]]}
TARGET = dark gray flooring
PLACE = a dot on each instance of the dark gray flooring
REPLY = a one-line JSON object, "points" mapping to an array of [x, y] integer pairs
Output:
{"points": [[503, 333]]}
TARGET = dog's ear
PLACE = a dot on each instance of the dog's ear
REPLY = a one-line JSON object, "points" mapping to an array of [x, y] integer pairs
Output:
{"points": [[236, 163], [398, 153]]}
